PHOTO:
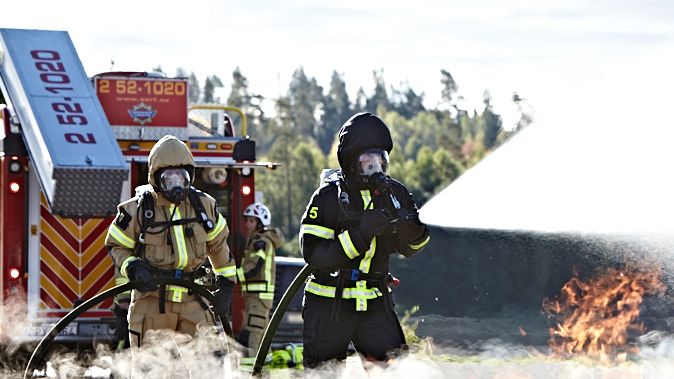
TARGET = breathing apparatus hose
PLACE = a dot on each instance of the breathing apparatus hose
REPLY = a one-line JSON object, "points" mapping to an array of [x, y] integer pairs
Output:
{"points": [[47, 340], [276, 318]]}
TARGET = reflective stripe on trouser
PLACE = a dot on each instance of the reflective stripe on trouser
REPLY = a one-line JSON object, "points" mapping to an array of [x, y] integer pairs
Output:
{"points": [[257, 318], [361, 293], [183, 317]]}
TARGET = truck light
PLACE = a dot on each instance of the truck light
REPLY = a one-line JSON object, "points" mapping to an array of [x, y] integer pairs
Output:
{"points": [[14, 187], [245, 190], [14, 167], [14, 273]]}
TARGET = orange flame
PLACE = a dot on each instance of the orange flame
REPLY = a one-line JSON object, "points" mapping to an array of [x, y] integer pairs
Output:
{"points": [[598, 318]]}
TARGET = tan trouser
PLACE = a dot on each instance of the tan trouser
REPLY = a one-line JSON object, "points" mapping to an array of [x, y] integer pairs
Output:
{"points": [[182, 317], [257, 318]]}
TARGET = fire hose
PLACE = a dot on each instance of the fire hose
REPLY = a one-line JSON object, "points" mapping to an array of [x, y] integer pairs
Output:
{"points": [[276, 318], [47, 340]]}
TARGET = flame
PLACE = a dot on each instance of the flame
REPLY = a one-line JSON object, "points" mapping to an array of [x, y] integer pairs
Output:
{"points": [[598, 318]]}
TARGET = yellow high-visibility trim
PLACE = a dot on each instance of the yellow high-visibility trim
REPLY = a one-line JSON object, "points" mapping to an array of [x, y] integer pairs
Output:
{"points": [[126, 262], [268, 266], [260, 253], [177, 293], [219, 227], [227, 271], [121, 280], [361, 301], [347, 245], [118, 235], [347, 293], [317, 230], [367, 198], [240, 275], [267, 295], [257, 287], [369, 254], [421, 244], [180, 238]]}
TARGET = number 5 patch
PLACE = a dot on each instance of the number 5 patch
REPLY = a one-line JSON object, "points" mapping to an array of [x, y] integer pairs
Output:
{"points": [[313, 212]]}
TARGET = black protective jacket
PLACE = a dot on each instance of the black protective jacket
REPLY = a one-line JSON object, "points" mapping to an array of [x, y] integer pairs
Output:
{"points": [[331, 242]]}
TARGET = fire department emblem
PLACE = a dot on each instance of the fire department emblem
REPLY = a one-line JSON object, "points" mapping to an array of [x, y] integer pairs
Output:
{"points": [[142, 113]]}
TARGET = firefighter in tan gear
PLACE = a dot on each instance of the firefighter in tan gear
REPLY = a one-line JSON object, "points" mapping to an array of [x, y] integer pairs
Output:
{"points": [[170, 228], [257, 274]]}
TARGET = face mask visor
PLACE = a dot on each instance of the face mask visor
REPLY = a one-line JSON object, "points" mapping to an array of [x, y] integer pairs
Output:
{"points": [[174, 183], [372, 161]]}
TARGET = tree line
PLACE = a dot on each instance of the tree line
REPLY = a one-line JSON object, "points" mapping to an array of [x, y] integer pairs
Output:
{"points": [[432, 147]]}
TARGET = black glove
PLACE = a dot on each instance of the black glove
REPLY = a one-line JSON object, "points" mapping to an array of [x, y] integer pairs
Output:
{"points": [[408, 227], [140, 270], [374, 223], [223, 295], [379, 183]]}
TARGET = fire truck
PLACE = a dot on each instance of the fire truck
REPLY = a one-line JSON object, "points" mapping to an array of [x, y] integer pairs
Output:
{"points": [[73, 147]]}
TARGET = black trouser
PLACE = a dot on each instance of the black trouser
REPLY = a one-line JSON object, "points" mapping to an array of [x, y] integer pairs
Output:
{"points": [[376, 334]]}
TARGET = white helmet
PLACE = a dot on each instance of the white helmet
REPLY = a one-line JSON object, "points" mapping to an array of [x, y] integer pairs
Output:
{"points": [[260, 211]]}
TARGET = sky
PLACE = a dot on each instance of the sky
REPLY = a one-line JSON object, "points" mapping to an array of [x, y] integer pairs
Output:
{"points": [[547, 51]]}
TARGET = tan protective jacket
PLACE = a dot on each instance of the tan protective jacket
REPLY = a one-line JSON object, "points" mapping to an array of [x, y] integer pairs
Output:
{"points": [[261, 246], [183, 247]]}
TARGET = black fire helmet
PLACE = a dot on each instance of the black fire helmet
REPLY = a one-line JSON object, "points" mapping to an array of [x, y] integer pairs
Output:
{"points": [[361, 132]]}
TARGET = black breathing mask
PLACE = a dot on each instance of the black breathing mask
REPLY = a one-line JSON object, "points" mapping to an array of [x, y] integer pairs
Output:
{"points": [[174, 183]]}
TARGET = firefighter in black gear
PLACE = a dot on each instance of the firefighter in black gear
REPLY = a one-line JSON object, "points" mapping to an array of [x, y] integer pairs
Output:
{"points": [[353, 223]]}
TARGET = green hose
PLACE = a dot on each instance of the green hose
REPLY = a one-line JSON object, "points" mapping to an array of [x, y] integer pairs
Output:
{"points": [[276, 318], [46, 341]]}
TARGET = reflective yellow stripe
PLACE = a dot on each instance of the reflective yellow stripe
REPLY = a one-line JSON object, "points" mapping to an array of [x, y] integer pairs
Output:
{"points": [[267, 295], [367, 198], [369, 254], [225, 271], [318, 231], [240, 275], [361, 301], [177, 293], [257, 287], [121, 280], [421, 244], [180, 238], [260, 253], [268, 266], [347, 245], [125, 264], [118, 235], [347, 293], [219, 226]]}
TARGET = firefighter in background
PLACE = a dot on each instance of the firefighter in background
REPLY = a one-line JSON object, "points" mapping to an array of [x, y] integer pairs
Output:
{"points": [[351, 226], [257, 274], [121, 311], [170, 228]]}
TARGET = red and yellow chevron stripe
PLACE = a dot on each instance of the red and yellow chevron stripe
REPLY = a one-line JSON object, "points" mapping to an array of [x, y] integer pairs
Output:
{"points": [[74, 264]]}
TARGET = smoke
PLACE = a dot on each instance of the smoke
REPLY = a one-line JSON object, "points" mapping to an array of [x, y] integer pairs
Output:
{"points": [[181, 357], [14, 324]]}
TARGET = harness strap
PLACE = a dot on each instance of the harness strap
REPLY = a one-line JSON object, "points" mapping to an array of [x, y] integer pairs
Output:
{"points": [[198, 206]]}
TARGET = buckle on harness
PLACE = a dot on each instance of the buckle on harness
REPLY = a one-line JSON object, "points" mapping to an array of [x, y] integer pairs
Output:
{"points": [[355, 274], [179, 274]]}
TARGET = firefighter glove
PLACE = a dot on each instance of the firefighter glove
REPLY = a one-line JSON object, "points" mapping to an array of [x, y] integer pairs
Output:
{"points": [[408, 227], [374, 223], [140, 270], [223, 295]]}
